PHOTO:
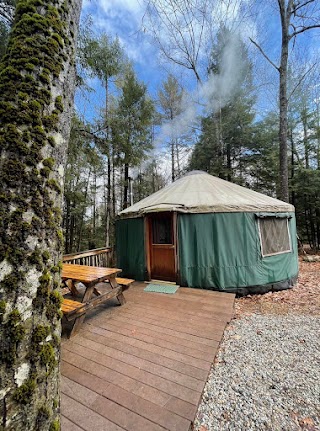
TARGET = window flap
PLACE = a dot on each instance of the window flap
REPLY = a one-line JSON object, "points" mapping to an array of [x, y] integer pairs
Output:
{"points": [[274, 236]]}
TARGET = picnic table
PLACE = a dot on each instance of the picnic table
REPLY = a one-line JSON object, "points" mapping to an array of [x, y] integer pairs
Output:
{"points": [[89, 276]]}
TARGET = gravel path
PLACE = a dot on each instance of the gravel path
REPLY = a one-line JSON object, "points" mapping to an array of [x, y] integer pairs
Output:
{"points": [[266, 377]]}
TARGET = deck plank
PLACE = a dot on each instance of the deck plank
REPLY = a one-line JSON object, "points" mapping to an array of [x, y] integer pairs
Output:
{"points": [[159, 349], [158, 358], [144, 408], [130, 360], [67, 425], [186, 330], [142, 367], [106, 408], [174, 339]]}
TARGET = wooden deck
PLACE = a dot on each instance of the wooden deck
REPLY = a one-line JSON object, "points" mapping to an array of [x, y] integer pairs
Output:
{"points": [[142, 366]]}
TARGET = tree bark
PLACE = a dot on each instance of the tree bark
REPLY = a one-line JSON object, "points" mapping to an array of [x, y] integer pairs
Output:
{"points": [[36, 95], [228, 150], [126, 186], [109, 205], [304, 118], [293, 196], [177, 156], [94, 213], [67, 224], [83, 214], [283, 102], [172, 161]]}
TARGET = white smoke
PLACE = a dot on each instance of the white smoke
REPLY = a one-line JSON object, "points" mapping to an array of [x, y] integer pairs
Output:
{"points": [[219, 88], [210, 96]]}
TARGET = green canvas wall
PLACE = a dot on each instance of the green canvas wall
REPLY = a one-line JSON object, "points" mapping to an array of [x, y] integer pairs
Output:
{"points": [[222, 251], [130, 248]]}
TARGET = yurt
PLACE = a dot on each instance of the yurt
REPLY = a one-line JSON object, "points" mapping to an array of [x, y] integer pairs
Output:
{"points": [[204, 232]]}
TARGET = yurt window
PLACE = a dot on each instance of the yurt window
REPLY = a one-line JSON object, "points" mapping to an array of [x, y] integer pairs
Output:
{"points": [[274, 236], [162, 230]]}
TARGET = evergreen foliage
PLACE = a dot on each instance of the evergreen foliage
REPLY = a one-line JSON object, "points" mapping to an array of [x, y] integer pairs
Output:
{"points": [[131, 126]]}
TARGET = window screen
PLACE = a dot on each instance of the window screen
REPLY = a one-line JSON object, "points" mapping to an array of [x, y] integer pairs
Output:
{"points": [[274, 236]]}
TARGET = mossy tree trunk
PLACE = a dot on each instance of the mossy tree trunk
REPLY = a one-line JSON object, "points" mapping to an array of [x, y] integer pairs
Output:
{"points": [[36, 92]]}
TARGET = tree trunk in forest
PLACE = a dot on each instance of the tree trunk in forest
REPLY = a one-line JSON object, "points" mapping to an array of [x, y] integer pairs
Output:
{"points": [[178, 157], [298, 17], [83, 214], [92, 240], [72, 228], [113, 187], [228, 150], [35, 113], [109, 205], [304, 119], [172, 161], [283, 106], [67, 224], [293, 197], [126, 186]]}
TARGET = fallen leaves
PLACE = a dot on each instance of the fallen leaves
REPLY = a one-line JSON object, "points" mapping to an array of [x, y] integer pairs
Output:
{"points": [[303, 298], [307, 424]]}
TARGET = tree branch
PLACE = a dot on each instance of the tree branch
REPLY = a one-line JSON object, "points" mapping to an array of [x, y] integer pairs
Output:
{"points": [[264, 54], [300, 80], [299, 6], [303, 29]]}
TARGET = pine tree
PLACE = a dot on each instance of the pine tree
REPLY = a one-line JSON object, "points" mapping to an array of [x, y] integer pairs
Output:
{"points": [[105, 59], [131, 126]]}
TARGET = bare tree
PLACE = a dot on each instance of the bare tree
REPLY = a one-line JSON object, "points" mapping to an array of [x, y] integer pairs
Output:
{"points": [[36, 93], [179, 30], [170, 99], [296, 18], [184, 30]]}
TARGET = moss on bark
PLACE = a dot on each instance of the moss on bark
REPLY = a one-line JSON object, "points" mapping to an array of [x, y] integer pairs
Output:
{"points": [[33, 136]]}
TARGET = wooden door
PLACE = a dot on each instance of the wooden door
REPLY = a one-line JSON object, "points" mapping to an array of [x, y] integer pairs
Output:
{"points": [[162, 247]]}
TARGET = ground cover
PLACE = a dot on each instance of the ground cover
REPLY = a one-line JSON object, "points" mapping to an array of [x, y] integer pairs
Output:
{"points": [[266, 375]]}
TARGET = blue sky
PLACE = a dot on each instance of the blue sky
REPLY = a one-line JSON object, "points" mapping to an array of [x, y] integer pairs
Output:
{"points": [[124, 19]]}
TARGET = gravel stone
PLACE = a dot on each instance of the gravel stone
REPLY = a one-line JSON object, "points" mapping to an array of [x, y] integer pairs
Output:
{"points": [[266, 376]]}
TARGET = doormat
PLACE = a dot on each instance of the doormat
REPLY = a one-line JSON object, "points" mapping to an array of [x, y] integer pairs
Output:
{"points": [[161, 288]]}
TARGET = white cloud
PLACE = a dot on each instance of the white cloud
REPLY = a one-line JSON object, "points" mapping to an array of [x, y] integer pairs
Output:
{"points": [[122, 19]]}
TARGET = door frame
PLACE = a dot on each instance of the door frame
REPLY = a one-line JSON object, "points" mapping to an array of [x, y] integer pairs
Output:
{"points": [[148, 241]]}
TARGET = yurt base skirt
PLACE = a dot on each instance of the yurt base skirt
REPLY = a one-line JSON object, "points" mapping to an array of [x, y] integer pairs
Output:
{"points": [[272, 287]]}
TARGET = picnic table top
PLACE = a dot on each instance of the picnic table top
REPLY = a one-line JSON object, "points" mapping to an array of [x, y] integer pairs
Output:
{"points": [[88, 274]]}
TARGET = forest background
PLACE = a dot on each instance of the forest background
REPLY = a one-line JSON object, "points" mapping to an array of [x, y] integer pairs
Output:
{"points": [[165, 86]]}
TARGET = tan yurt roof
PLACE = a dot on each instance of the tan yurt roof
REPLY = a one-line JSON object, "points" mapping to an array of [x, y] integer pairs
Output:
{"points": [[199, 192]]}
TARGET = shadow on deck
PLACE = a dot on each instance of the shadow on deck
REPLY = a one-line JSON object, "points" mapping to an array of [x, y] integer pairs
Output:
{"points": [[142, 366]]}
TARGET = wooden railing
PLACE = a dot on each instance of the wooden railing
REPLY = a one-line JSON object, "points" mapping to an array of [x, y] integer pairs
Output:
{"points": [[97, 257]]}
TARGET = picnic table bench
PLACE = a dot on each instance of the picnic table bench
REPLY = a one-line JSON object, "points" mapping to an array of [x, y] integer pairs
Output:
{"points": [[89, 276]]}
